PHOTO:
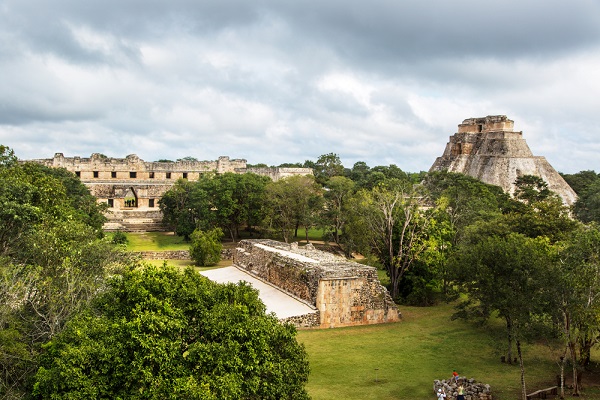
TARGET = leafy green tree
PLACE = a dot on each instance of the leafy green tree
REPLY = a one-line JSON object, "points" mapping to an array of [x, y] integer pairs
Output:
{"points": [[291, 202], [390, 223], [7, 157], [228, 201], [580, 181], [180, 204], [188, 158], [205, 247], [576, 296], [587, 206], [157, 333], [508, 276], [53, 261], [326, 167], [537, 211], [336, 196]]}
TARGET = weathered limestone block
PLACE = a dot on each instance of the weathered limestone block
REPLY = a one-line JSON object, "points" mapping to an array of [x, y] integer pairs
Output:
{"points": [[488, 149], [345, 293]]}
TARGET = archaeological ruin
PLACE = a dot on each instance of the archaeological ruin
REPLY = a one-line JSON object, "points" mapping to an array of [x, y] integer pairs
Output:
{"points": [[342, 292], [488, 149], [132, 187]]}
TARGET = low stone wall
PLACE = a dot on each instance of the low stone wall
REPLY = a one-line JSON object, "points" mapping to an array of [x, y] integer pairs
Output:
{"points": [[165, 255], [472, 389], [304, 321], [226, 254], [345, 293]]}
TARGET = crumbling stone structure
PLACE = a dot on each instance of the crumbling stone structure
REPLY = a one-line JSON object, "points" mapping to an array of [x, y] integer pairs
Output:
{"points": [[132, 187], [488, 149], [344, 293], [472, 390]]}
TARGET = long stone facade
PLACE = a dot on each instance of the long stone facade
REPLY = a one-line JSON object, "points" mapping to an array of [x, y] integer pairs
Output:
{"points": [[488, 149], [132, 187], [344, 293]]}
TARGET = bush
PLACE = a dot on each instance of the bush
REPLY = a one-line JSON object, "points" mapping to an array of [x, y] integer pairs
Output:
{"points": [[119, 238], [205, 247]]}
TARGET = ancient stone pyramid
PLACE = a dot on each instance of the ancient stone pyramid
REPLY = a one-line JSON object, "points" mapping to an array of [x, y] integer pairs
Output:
{"points": [[488, 149]]}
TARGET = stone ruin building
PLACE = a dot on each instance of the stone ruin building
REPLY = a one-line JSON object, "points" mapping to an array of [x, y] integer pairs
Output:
{"points": [[342, 293], [132, 187], [488, 149]]}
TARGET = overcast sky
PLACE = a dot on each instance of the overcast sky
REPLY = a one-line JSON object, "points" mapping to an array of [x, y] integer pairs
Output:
{"points": [[380, 81]]}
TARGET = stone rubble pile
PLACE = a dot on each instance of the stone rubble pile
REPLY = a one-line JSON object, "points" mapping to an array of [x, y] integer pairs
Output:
{"points": [[473, 390]]}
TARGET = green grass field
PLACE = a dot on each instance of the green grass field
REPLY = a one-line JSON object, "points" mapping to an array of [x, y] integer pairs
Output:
{"points": [[401, 360], [155, 241]]}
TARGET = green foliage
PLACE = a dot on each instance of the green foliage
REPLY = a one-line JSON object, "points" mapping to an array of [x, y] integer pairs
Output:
{"points": [[205, 247], [334, 215], [390, 223], [160, 334], [291, 202], [531, 189], [53, 261], [575, 298], [7, 157], [587, 206], [226, 200], [187, 158], [119, 238], [580, 181], [326, 167]]}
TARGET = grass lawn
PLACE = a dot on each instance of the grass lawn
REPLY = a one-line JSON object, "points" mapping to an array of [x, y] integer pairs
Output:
{"points": [[155, 241], [401, 360]]}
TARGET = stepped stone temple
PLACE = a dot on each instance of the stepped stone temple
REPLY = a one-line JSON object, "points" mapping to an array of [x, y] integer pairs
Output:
{"points": [[132, 187], [488, 149]]}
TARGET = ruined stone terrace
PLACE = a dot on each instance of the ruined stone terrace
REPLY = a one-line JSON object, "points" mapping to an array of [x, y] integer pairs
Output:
{"points": [[345, 293]]}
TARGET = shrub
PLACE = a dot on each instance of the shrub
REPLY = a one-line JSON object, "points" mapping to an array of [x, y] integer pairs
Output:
{"points": [[205, 247]]}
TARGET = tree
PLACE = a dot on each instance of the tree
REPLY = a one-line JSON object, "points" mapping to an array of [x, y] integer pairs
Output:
{"points": [[53, 261], [536, 211], [337, 194], [580, 181], [390, 223], [205, 247], [157, 333], [179, 206], [587, 206], [7, 157], [227, 200], [327, 166], [291, 201], [576, 296], [507, 275]]}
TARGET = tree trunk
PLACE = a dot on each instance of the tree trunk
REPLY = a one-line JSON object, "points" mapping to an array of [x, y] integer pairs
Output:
{"points": [[510, 340], [563, 360], [523, 389], [573, 353]]}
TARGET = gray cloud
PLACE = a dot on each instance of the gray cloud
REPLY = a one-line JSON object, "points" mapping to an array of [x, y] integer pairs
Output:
{"points": [[283, 81]]}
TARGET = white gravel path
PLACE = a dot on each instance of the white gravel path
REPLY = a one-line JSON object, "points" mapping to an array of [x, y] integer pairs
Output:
{"points": [[275, 300]]}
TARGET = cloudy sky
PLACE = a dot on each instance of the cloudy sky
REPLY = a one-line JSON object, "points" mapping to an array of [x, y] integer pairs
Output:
{"points": [[380, 81]]}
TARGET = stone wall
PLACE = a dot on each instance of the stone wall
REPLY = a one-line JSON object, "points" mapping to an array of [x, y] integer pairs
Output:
{"points": [[345, 293], [226, 254], [165, 255]]}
